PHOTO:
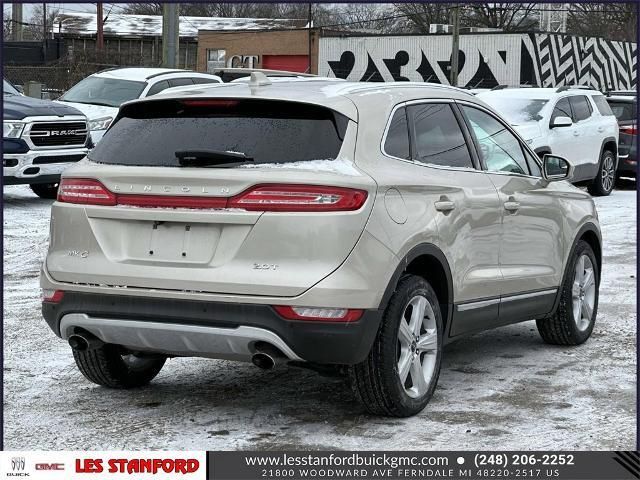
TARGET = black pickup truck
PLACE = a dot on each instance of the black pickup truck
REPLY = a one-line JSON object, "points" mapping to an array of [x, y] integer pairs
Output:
{"points": [[39, 140]]}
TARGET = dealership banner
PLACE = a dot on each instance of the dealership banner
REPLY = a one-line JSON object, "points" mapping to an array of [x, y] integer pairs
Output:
{"points": [[141, 465], [541, 465], [249, 465]]}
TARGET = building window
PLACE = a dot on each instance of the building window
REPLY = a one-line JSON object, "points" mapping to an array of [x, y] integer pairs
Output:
{"points": [[216, 58]]}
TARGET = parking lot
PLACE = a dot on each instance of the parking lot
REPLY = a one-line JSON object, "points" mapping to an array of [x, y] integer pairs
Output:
{"points": [[503, 388]]}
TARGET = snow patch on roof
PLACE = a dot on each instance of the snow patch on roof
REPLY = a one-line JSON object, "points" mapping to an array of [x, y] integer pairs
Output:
{"points": [[151, 25]]}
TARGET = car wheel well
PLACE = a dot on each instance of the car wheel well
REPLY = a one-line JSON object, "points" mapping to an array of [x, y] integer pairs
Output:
{"points": [[592, 239], [430, 268], [611, 146]]}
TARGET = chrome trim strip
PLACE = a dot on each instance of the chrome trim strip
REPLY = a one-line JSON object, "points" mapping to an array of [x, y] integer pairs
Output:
{"points": [[473, 305], [529, 295], [177, 339], [509, 298]]}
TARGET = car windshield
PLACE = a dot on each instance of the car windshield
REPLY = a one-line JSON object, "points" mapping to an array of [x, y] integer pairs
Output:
{"points": [[110, 92], [517, 110], [8, 89]]}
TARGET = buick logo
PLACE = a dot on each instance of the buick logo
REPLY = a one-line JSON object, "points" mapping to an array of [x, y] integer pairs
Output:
{"points": [[17, 467], [17, 464]]}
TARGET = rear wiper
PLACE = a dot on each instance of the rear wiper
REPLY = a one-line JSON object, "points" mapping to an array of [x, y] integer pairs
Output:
{"points": [[204, 158]]}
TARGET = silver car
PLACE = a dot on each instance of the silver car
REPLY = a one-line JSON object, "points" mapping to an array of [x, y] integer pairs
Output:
{"points": [[318, 223]]}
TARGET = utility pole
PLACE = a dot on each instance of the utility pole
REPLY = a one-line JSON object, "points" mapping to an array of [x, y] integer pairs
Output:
{"points": [[309, 21], [170, 35], [100, 23], [16, 20], [44, 31], [455, 44]]}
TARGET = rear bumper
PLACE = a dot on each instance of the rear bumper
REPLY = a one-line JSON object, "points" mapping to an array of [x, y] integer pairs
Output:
{"points": [[628, 164], [209, 329], [38, 166]]}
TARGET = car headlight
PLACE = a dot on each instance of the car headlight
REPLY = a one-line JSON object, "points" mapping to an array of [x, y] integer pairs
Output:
{"points": [[12, 129], [100, 123]]}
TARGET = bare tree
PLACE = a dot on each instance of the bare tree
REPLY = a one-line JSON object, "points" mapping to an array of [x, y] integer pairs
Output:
{"points": [[34, 29], [614, 21], [420, 15], [508, 17]]}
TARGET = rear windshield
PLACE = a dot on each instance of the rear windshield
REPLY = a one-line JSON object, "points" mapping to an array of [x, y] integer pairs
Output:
{"points": [[623, 110], [267, 131]]}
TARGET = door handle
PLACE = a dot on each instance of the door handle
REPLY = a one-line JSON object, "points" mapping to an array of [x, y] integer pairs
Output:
{"points": [[444, 206], [512, 206]]}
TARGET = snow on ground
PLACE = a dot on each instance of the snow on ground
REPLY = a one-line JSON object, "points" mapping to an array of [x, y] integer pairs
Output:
{"points": [[499, 389]]}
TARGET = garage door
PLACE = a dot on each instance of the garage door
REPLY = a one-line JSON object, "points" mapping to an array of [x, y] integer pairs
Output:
{"points": [[290, 63]]}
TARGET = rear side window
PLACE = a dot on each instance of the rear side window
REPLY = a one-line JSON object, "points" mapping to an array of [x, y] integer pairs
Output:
{"points": [[158, 87], [200, 80], [438, 138], [603, 105], [268, 131], [397, 142], [179, 82], [623, 110], [562, 109], [581, 107]]}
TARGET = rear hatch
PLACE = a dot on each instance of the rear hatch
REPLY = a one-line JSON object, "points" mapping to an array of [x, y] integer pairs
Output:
{"points": [[233, 196]]}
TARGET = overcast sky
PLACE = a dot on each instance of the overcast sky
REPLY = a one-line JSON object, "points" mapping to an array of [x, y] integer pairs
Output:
{"points": [[27, 9]]}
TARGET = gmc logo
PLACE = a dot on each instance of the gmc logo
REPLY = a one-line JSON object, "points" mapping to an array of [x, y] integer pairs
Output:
{"points": [[49, 466]]}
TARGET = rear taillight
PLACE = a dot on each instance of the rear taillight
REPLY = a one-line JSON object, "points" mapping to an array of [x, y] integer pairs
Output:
{"points": [[299, 198], [264, 198], [629, 129], [319, 314], [52, 296], [86, 191]]}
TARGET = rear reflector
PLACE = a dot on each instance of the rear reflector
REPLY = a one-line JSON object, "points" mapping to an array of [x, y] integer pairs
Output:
{"points": [[263, 198], [318, 314], [629, 129], [299, 198], [52, 296]]}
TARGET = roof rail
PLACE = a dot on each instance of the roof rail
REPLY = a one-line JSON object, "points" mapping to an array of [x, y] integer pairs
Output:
{"points": [[564, 88], [500, 87], [167, 72]]}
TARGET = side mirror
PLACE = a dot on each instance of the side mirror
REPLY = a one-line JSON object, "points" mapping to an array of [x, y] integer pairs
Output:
{"points": [[556, 168], [561, 122]]}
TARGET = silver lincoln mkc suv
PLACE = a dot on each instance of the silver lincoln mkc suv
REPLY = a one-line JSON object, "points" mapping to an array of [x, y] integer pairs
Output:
{"points": [[355, 226]]}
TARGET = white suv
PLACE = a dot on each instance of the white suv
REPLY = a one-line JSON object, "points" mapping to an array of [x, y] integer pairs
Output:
{"points": [[100, 95], [575, 123]]}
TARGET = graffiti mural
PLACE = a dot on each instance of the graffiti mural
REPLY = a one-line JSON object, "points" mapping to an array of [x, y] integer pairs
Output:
{"points": [[484, 61]]}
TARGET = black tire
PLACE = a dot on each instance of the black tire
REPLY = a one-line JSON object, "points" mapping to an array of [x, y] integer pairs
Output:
{"points": [[562, 328], [376, 381], [48, 191], [602, 185], [106, 366]]}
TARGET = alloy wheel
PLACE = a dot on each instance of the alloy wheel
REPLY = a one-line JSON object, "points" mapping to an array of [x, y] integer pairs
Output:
{"points": [[608, 173], [417, 346], [583, 293]]}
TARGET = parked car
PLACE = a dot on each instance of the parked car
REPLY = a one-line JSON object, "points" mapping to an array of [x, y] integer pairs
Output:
{"points": [[100, 95], [624, 106], [306, 222], [39, 140], [572, 122]]}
